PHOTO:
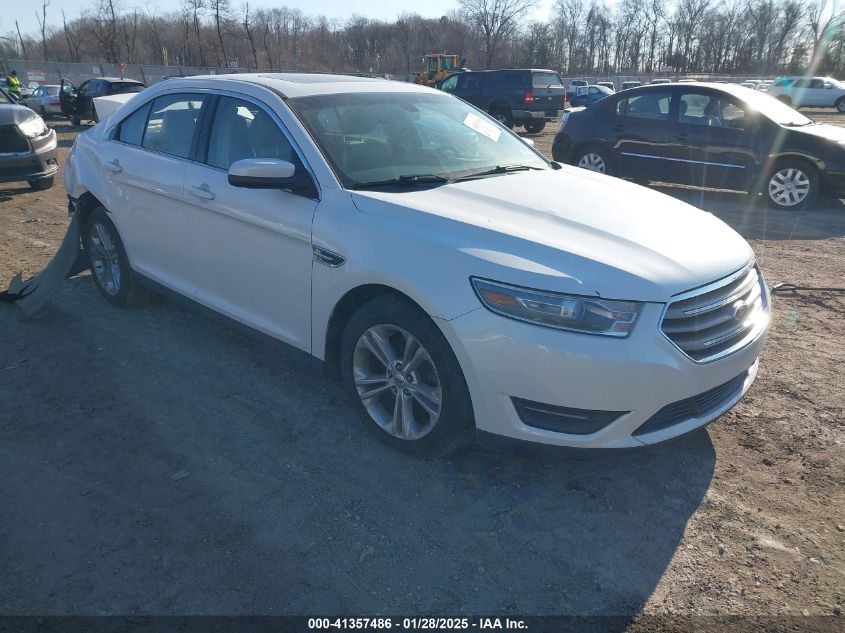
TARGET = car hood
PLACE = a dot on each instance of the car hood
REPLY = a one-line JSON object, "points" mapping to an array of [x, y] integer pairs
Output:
{"points": [[571, 230], [828, 132], [14, 114]]}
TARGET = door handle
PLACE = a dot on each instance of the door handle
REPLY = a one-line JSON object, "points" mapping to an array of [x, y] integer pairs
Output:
{"points": [[203, 193], [114, 166]]}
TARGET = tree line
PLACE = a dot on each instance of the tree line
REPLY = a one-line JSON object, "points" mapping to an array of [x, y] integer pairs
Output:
{"points": [[581, 37]]}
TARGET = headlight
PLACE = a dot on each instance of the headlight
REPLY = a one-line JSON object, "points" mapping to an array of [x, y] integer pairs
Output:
{"points": [[590, 315], [33, 127]]}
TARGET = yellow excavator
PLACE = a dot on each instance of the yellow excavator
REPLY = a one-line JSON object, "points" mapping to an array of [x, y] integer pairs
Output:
{"points": [[436, 67]]}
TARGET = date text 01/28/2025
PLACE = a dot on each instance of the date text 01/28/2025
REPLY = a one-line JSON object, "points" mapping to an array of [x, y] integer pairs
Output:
{"points": [[419, 623]]}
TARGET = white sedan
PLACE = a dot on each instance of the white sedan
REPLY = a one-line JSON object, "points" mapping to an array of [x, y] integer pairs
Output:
{"points": [[45, 100], [457, 282]]}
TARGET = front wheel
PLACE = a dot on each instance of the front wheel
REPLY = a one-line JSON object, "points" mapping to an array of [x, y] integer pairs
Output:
{"points": [[792, 185], [535, 126], [840, 105], [404, 378], [593, 159]]}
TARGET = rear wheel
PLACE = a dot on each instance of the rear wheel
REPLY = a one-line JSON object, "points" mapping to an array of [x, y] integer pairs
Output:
{"points": [[503, 116], [535, 126], [792, 185], [593, 158], [74, 121], [108, 261], [404, 378]]}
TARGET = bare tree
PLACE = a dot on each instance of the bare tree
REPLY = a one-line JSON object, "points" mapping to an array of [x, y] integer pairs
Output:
{"points": [[72, 44], [20, 37], [497, 20], [42, 26]]}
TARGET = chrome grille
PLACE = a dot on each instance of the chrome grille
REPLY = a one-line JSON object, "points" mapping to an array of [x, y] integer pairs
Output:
{"points": [[719, 318]]}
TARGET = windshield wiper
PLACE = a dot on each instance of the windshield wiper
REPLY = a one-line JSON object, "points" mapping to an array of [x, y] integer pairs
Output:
{"points": [[405, 181], [499, 169]]}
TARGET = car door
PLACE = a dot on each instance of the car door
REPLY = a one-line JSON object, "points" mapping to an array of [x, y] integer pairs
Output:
{"points": [[252, 249], [639, 133], [144, 164], [68, 96], [468, 86], [713, 143]]}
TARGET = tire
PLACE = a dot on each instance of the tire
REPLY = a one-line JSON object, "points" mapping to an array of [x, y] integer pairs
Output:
{"points": [[106, 254], [42, 184], [75, 121], [792, 185], [434, 415], [503, 116], [594, 158], [840, 105], [534, 126]]}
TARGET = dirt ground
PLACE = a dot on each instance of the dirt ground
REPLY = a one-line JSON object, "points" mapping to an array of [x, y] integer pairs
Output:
{"points": [[153, 461]]}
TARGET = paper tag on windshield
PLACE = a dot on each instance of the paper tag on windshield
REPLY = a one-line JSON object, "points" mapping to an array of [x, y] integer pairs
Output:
{"points": [[481, 126]]}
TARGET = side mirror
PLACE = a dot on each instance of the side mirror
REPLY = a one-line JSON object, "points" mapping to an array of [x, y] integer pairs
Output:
{"points": [[261, 173]]}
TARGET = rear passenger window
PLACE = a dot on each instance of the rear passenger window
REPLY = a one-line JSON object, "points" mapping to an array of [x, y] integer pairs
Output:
{"points": [[171, 124], [243, 130], [132, 127], [652, 105]]}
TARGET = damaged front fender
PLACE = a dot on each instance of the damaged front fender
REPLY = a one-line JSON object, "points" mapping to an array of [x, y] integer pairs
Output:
{"points": [[34, 293]]}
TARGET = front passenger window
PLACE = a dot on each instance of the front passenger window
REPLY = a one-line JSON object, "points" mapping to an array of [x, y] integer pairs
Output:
{"points": [[651, 105], [241, 130]]}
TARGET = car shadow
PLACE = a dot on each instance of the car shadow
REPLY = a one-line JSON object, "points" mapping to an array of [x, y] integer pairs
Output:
{"points": [[159, 462], [8, 192], [752, 218]]}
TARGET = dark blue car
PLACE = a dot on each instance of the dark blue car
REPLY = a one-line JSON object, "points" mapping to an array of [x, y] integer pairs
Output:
{"points": [[588, 95]]}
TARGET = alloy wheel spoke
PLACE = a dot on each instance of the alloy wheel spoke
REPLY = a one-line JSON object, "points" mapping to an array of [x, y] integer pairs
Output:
{"points": [[397, 423], [427, 398], [378, 348]]}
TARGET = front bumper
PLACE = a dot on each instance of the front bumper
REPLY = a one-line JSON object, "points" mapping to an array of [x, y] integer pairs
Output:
{"points": [[635, 377], [42, 161]]}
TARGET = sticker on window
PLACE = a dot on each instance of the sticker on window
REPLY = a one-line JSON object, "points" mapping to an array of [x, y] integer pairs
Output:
{"points": [[488, 129]]}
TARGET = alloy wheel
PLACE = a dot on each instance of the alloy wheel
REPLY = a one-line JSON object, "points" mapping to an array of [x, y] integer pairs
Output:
{"points": [[105, 261], [593, 162], [840, 105], [397, 381], [789, 186]]}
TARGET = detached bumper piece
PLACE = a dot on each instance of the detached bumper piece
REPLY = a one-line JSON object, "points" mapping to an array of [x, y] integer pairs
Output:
{"points": [[550, 417], [698, 406]]}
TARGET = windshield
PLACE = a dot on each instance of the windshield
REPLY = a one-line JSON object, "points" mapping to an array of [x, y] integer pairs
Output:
{"points": [[375, 137], [776, 110]]}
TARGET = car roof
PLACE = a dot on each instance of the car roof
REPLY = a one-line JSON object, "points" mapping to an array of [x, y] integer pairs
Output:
{"points": [[293, 85], [112, 80]]}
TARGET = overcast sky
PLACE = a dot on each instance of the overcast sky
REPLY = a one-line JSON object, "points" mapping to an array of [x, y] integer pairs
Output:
{"points": [[24, 10]]}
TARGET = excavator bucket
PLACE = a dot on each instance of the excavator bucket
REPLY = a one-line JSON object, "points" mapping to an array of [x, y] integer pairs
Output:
{"points": [[33, 294]]}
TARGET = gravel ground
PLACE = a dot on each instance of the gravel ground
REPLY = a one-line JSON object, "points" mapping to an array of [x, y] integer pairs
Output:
{"points": [[153, 461]]}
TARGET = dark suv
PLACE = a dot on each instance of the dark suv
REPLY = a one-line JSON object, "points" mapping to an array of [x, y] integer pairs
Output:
{"points": [[78, 103], [526, 97]]}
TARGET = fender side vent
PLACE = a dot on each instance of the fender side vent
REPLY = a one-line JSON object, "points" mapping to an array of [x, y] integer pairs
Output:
{"points": [[328, 258]]}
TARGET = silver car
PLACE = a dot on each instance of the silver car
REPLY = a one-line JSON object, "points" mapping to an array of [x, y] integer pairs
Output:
{"points": [[45, 100]]}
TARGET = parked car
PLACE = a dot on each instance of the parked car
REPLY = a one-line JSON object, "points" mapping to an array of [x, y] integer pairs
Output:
{"points": [[631, 84], [749, 84], [528, 97], [817, 92], [660, 81], [709, 135], [423, 254], [77, 104], [45, 100], [589, 95], [28, 148], [607, 84], [574, 85]]}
